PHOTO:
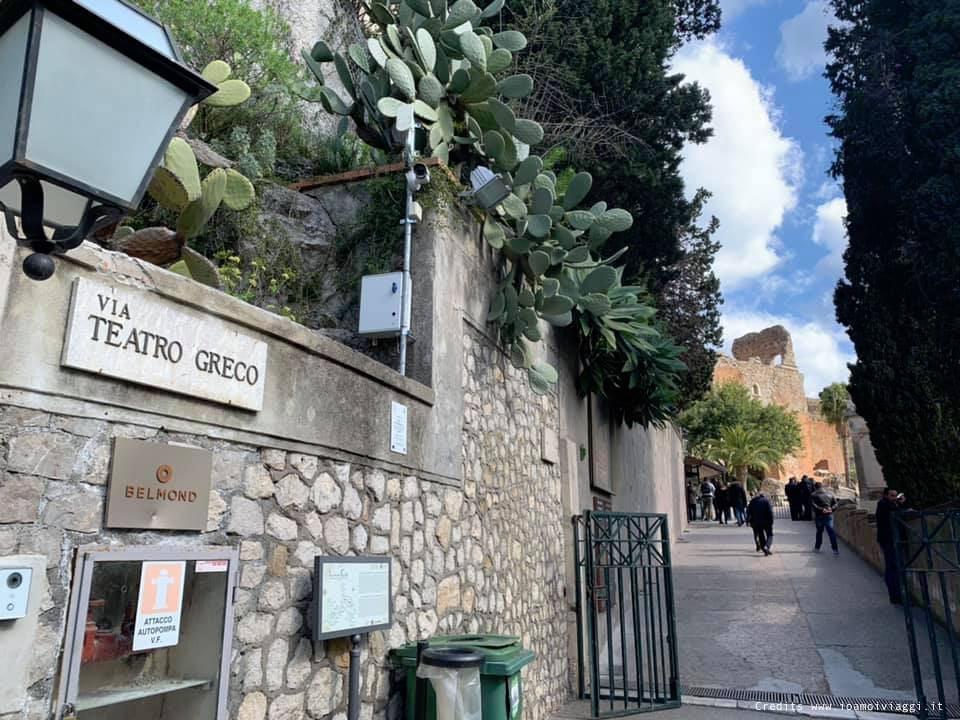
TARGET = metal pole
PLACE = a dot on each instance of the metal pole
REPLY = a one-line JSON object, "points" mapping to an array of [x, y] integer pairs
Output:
{"points": [[420, 693], [408, 220], [353, 693]]}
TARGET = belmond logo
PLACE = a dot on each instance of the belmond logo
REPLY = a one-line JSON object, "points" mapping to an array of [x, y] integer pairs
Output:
{"points": [[164, 475]]}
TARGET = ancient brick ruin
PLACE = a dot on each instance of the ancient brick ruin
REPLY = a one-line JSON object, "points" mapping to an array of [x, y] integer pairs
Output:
{"points": [[754, 366]]}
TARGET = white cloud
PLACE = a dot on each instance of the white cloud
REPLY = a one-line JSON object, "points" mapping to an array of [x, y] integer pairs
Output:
{"points": [[732, 8], [828, 189], [829, 232], [753, 171], [800, 52], [822, 349]]}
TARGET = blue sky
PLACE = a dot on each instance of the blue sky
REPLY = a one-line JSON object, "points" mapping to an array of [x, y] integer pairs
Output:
{"points": [[781, 215]]}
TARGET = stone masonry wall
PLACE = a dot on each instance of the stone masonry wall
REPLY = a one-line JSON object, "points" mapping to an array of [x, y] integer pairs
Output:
{"points": [[487, 558]]}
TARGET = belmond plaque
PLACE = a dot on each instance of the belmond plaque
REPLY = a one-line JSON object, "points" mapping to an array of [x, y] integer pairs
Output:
{"points": [[140, 337], [157, 486]]}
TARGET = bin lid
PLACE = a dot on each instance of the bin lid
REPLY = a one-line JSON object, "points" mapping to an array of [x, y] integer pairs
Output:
{"points": [[447, 656], [503, 654], [484, 641]]}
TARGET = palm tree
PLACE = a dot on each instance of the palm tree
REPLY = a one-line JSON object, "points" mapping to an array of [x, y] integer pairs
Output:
{"points": [[834, 406], [742, 449]]}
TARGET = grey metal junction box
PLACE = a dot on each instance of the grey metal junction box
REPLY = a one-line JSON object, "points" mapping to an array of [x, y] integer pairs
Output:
{"points": [[381, 303]]}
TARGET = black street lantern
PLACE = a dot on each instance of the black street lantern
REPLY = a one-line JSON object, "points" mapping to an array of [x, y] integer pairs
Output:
{"points": [[101, 88]]}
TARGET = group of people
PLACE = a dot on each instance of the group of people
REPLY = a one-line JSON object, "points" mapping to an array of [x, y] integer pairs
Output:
{"points": [[821, 504], [808, 500], [799, 494], [722, 502]]}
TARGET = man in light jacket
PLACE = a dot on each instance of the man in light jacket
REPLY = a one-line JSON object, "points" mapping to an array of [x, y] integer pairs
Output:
{"points": [[707, 490]]}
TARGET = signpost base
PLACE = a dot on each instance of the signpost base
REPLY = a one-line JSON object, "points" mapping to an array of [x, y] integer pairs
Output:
{"points": [[353, 692]]}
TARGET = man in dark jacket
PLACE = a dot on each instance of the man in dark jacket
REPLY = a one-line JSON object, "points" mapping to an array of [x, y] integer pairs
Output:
{"points": [[721, 504], [792, 491], [760, 517], [889, 504], [806, 490], [823, 504], [738, 501]]}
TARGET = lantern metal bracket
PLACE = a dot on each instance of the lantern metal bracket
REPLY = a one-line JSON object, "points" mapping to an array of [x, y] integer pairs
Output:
{"points": [[39, 265]]}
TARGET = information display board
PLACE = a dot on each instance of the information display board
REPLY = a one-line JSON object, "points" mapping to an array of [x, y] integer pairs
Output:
{"points": [[352, 596]]}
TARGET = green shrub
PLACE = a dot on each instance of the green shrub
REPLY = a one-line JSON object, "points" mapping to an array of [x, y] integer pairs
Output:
{"points": [[259, 47]]}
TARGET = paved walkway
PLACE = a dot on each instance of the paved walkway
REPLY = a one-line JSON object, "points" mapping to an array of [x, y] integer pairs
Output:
{"points": [[581, 711], [792, 622]]}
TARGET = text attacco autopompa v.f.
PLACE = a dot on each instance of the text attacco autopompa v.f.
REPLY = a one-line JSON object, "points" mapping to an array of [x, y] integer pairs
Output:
{"points": [[111, 328]]}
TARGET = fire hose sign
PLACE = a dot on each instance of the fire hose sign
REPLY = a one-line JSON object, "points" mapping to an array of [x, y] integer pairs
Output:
{"points": [[158, 608]]}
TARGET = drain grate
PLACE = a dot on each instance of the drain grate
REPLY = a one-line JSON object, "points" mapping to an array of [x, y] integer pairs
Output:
{"points": [[883, 705]]}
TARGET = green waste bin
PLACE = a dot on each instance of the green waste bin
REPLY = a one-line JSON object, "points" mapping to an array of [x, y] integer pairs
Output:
{"points": [[500, 683]]}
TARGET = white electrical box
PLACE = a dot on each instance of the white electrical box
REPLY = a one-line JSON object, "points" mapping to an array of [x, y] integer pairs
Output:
{"points": [[14, 592], [381, 301]]}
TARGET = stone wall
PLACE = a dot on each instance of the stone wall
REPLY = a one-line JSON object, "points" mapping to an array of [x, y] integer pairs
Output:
{"points": [[485, 558], [869, 473]]}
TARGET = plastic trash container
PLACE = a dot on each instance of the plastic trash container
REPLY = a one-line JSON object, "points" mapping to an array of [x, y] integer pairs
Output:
{"points": [[454, 675], [500, 683]]}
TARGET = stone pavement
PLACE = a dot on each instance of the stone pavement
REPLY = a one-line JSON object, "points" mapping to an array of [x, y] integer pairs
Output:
{"points": [[792, 622]]}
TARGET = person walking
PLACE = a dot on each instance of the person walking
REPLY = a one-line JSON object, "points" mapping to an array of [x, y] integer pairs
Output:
{"points": [[721, 504], [792, 491], [738, 501], [823, 504], [806, 490], [707, 490], [760, 518], [692, 497], [888, 505]]}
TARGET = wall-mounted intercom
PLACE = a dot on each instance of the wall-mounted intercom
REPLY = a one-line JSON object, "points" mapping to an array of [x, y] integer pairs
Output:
{"points": [[14, 592]]}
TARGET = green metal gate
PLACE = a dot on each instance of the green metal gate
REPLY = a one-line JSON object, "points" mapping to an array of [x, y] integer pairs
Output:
{"points": [[927, 547], [626, 623]]}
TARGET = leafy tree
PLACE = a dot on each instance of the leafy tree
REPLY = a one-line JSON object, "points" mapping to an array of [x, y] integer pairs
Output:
{"points": [[741, 449], [834, 406], [730, 405], [894, 71], [606, 99], [605, 94], [690, 305]]}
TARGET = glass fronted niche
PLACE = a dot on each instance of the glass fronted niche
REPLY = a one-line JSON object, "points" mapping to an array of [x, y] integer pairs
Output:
{"points": [[148, 635]]}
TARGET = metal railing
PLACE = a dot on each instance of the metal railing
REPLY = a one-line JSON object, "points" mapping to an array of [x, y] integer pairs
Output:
{"points": [[928, 563]]}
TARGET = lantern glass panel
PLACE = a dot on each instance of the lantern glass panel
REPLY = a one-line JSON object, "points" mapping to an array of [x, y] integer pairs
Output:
{"points": [[13, 53], [97, 117], [131, 21], [61, 208]]}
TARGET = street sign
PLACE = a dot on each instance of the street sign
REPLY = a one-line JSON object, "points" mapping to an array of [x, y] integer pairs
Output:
{"points": [[159, 605]]}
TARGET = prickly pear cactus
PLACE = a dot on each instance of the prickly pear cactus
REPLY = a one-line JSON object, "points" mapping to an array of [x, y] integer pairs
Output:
{"points": [[176, 186], [456, 74], [441, 59]]}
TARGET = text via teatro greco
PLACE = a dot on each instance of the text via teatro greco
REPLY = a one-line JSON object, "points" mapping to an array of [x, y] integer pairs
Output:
{"points": [[112, 328]]}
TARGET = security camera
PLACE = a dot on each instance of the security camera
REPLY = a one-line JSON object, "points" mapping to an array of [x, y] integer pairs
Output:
{"points": [[417, 176], [14, 580]]}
